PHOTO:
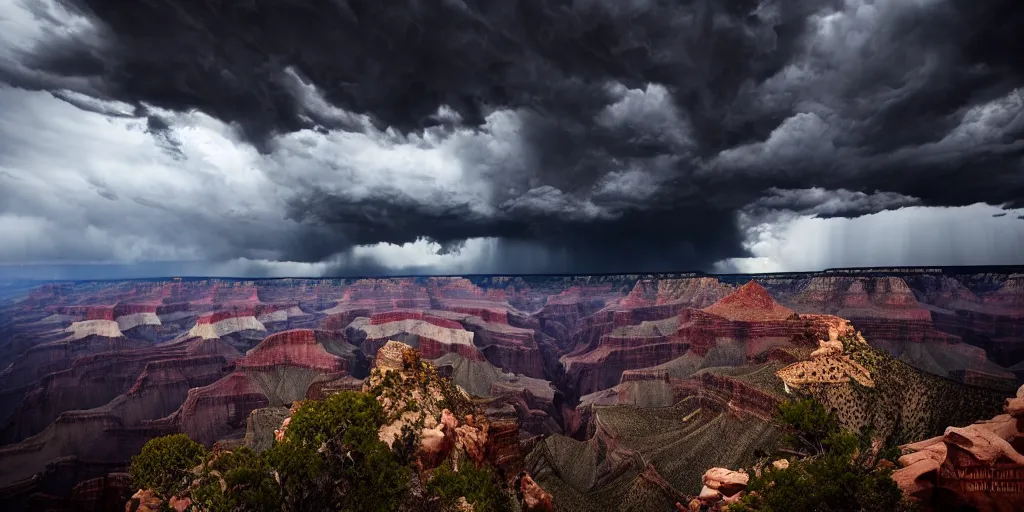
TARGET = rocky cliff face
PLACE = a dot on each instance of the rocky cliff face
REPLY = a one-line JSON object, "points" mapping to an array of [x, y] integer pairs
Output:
{"points": [[95, 441], [748, 316], [92, 381], [980, 465], [866, 386], [278, 371]]}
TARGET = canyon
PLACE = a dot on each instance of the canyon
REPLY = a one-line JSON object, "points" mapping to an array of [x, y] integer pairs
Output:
{"points": [[601, 386]]}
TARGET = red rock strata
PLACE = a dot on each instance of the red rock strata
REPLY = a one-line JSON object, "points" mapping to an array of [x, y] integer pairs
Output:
{"points": [[431, 340], [606, 330], [110, 434], [652, 343], [299, 347], [720, 392], [278, 371], [751, 302], [410, 314]]}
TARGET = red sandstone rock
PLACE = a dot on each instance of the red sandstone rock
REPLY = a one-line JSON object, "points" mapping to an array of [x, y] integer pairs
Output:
{"points": [[145, 500], [180, 504], [750, 302], [978, 465], [535, 498], [300, 347], [983, 444]]}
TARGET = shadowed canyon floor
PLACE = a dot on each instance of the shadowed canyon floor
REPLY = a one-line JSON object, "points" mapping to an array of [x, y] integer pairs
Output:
{"points": [[622, 389]]}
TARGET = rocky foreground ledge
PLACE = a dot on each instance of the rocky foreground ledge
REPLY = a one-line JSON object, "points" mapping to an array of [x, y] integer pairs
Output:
{"points": [[980, 465]]}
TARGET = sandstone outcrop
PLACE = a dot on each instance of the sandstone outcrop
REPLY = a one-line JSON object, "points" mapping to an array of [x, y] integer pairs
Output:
{"points": [[722, 487], [535, 498], [145, 500], [827, 365], [980, 465], [751, 302], [421, 408], [865, 386]]}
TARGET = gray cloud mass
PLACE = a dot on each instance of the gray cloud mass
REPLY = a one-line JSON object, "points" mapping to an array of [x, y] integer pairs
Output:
{"points": [[520, 136]]}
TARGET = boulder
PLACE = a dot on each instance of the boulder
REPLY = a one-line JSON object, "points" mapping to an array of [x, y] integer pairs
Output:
{"points": [[535, 498], [709, 495], [983, 444], [977, 465], [144, 500], [725, 481]]}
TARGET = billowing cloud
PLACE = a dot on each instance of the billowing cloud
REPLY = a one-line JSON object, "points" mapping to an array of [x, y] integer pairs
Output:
{"points": [[584, 136]]}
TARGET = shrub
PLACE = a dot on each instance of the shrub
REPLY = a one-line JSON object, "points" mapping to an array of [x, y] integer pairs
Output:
{"points": [[332, 459], [347, 417], [248, 484], [841, 473], [479, 486], [165, 464], [305, 484], [344, 428]]}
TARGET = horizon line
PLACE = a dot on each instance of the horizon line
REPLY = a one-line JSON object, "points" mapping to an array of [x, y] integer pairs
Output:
{"points": [[685, 273]]}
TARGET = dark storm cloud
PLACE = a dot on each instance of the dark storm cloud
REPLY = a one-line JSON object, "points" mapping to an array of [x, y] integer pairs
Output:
{"points": [[161, 131], [829, 203], [643, 126]]}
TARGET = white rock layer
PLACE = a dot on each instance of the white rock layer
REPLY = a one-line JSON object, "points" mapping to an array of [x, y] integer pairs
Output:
{"points": [[134, 320], [418, 327], [108, 328], [226, 326]]}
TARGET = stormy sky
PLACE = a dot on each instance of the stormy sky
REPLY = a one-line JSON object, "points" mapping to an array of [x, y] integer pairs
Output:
{"points": [[360, 137]]}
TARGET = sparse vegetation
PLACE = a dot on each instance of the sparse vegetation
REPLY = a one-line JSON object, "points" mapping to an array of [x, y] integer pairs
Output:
{"points": [[843, 471], [809, 426]]}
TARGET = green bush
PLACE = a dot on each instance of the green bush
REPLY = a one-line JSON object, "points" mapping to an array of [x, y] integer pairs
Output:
{"points": [[479, 486], [808, 425], [332, 459], [347, 417], [829, 482], [165, 464], [841, 473], [368, 475], [305, 484], [248, 484]]}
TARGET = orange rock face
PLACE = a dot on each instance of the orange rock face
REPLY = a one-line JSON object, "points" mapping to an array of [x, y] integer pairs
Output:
{"points": [[750, 302], [535, 498], [145, 500], [980, 465]]}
